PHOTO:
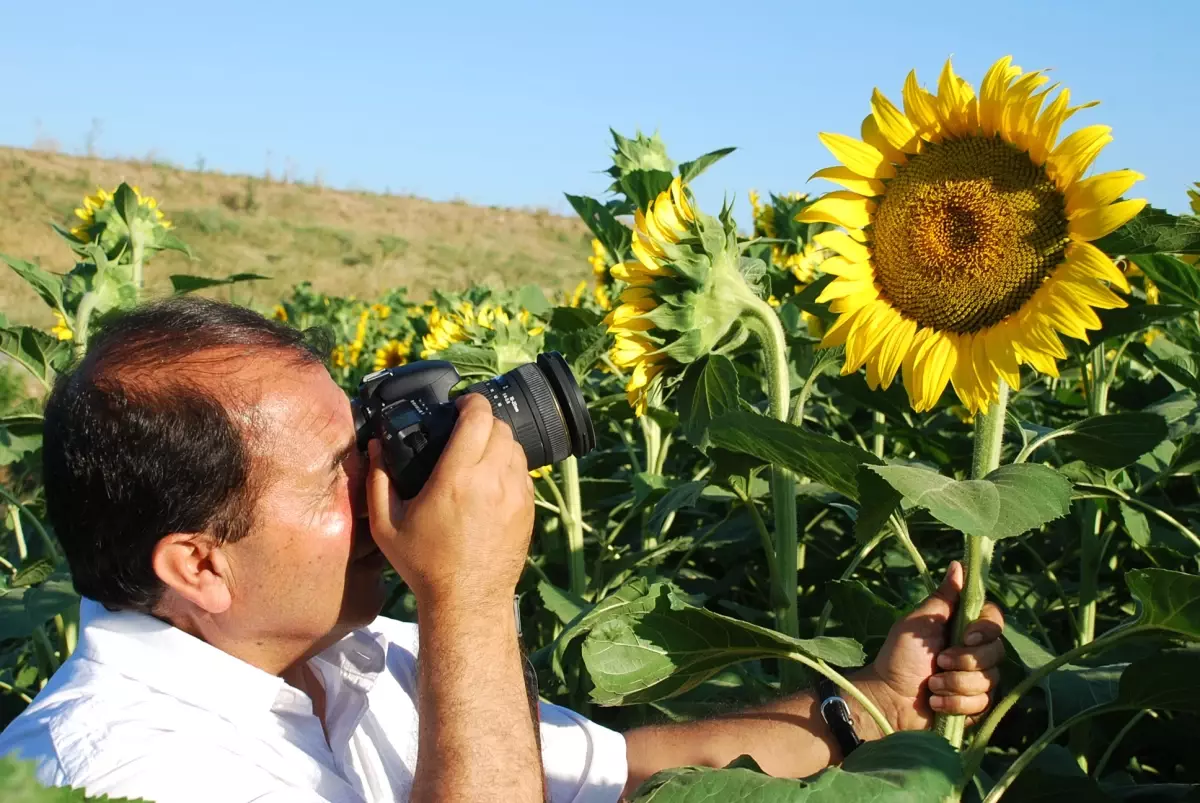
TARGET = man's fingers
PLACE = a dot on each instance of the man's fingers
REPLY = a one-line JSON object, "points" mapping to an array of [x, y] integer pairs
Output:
{"points": [[974, 704], [940, 604], [383, 505], [519, 460], [986, 628], [972, 659], [966, 684], [471, 433], [498, 452]]}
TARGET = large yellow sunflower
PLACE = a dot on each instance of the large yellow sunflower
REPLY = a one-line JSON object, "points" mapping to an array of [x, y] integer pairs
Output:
{"points": [[967, 247]]}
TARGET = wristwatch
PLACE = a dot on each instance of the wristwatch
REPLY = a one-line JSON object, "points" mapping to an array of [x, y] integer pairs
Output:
{"points": [[836, 714]]}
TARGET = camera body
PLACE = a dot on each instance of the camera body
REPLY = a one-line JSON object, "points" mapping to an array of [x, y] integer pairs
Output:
{"points": [[411, 412]]}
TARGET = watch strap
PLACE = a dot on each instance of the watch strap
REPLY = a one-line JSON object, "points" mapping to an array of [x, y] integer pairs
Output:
{"points": [[836, 713]]}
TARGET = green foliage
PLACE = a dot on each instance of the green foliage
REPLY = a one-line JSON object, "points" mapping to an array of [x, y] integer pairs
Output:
{"points": [[903, 768], [654, 586]]}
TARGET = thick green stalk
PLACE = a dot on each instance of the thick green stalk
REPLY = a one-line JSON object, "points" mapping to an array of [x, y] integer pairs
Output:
{"points": [[762, 321], [83, 316], [977, 557], [573, 521]]}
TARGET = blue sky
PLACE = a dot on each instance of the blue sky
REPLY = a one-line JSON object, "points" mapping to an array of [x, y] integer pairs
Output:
{"points": [[510, 103]]}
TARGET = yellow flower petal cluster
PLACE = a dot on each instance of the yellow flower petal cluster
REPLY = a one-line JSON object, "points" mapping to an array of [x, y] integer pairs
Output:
{"points": [[61, 329], [967, 251], [360, 336], [802, 263], [382, 311], [667, 222], [280, 313], [94, 203], [461, 324], [394, 353]]}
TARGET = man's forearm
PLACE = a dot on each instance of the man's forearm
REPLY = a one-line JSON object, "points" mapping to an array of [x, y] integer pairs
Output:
{"points": [[788, 739], [477, 740]]}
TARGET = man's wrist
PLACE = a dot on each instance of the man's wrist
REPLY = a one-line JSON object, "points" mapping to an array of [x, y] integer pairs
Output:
{"points": [[868, 682]]}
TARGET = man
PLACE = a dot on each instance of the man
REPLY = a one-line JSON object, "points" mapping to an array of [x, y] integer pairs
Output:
{"points": [[229, 540]]}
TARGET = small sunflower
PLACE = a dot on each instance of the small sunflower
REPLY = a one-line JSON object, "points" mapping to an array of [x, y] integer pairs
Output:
{"points": [[445, 329], [280, 313], [798, 255], [967, 249], [685, 292], [392, 354], [575, 298], [603, 296], [599, 258], [62, 329], [338, 356], [382, 311], [97, 214], [360, 337]]}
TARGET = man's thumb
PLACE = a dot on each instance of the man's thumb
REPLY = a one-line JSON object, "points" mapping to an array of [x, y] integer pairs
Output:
{"points": [[940, 604]]}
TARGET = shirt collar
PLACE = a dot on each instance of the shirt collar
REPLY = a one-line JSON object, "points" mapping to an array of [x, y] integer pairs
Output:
{"points": [[173, 662]]}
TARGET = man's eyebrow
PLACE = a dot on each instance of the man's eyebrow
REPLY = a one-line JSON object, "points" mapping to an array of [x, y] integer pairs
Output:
{"points": [[343, 454]]}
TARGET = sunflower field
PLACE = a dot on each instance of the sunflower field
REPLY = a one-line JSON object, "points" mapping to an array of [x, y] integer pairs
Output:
{"points": [[974, 349]]}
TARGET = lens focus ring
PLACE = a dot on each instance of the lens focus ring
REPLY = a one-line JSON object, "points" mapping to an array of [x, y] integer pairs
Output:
{"points": [[546, 411]]}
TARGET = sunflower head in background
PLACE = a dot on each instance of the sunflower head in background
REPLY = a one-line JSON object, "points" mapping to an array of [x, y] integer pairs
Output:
{"points": [[684, 292], [967, 250]]}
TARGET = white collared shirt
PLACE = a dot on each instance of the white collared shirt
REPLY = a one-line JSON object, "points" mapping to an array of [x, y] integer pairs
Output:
{"points": [[142, 709]]}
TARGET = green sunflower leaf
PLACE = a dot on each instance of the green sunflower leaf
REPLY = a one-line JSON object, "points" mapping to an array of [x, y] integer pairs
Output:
{"points": [[1166, 681], [1154, 231], [614, 235], [708, 391], [906, 767], [47, 285], [183, 283], [656, 645], [692, 169], [1112, 441], [1010, 501], [1169, 601], [1177, 281]]}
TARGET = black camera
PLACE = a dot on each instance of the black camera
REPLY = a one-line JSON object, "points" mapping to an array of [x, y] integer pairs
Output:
{"points": [[410, 411]]}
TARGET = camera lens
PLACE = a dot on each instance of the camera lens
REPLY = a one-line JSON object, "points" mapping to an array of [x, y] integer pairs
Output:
{"points": [[544, 406]]}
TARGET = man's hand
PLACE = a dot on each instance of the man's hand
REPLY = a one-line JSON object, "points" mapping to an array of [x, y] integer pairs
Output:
{"points": [[460, 545], [915, 676], [467, 532]]}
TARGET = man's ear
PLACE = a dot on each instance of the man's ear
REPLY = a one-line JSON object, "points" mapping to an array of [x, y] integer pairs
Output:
{"points": [[196, 568]]}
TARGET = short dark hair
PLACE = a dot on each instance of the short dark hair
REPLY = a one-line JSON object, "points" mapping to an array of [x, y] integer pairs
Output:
{"points": [[137, 447]]}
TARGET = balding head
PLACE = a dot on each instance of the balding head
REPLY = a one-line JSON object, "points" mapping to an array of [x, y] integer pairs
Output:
{"points": [[144, 438]]}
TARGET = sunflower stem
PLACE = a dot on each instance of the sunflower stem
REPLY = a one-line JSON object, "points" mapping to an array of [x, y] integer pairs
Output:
{"points": [[977, 553], [762, 321], [576, 566]]}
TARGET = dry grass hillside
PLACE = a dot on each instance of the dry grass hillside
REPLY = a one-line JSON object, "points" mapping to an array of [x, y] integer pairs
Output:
{"points": [[343, 242]]}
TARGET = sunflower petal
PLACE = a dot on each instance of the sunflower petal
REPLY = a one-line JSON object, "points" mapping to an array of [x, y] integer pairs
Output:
{"points": [[1095, 223], [864, 159], [1096, 262], [963, 379], [851, 180], [920, 106], [840, 266], [840, 288], [1099, 190], [894, 347], [846, 209], [841, 243], [875, 138], [1075, 154], [836, 335], [955, 101], [1001, 356], [893, 125], [934, 369], [991, 95]]}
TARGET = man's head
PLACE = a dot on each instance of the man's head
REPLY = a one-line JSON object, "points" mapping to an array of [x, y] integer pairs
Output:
{"points": [[200, 465]]}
